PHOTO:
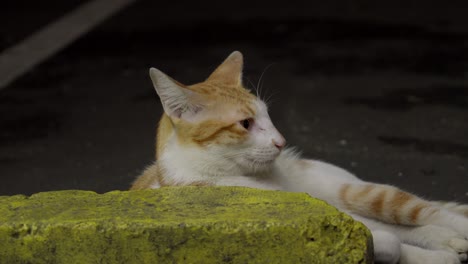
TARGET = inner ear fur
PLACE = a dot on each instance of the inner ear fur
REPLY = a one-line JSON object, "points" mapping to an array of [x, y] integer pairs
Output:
{"points": [[230, 71], [177, 100]]}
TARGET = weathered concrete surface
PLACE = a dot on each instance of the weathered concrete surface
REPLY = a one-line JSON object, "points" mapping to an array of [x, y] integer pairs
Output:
{"points": [[178, 225]]}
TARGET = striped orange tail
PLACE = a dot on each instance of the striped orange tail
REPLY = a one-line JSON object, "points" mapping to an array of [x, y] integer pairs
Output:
{"points": [[385, 203]]}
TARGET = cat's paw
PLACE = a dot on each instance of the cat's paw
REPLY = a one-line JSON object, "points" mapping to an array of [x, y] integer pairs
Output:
{"points": [[460, 224], [416, 255], [458, 245], [439, 256], [440, 238]]}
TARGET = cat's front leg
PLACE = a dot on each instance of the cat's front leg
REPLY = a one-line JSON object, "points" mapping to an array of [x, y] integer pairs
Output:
{"points": [[389, 250], [415, 255], [436, 238], [433, 242]]}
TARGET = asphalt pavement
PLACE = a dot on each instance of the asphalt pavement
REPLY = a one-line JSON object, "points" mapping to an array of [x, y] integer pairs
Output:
{"points": [[384, 98]]}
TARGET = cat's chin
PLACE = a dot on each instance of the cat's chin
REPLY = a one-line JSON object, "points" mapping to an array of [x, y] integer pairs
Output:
{"points": [[258, 165]]}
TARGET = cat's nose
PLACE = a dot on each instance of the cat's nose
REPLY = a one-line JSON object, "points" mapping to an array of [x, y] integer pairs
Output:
{"points": [[279, 142]]}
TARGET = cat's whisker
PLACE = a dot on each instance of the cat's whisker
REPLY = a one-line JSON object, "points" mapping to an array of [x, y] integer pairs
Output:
{"points": [[252, 85], [260, 81], [268, 101]]}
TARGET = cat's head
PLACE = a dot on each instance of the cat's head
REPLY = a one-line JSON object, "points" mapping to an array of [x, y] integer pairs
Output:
{"points": [[220, 116]]}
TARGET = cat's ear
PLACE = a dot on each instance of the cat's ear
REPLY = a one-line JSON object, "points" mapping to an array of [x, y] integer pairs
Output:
{"points": [[230, 71], [176, 100]]}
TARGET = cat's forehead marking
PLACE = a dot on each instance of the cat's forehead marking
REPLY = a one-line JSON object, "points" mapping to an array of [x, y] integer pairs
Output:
{"points": [[246, 111], [230, 112], [220, 89], [228, 102]]}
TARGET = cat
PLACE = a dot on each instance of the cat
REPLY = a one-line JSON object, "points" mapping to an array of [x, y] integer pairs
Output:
{"points": [[218, 133]]}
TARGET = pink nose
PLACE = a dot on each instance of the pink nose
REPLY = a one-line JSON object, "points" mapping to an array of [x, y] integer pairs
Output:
{"points": [[279, 143]]}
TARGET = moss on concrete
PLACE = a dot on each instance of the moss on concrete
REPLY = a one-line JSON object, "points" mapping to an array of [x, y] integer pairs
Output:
{"points": [[178, 225]]}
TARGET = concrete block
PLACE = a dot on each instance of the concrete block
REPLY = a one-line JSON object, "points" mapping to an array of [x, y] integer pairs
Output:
{"points": [[178, 225]]}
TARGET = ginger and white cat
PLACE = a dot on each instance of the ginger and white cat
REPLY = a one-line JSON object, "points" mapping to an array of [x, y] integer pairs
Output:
{"points": [[217, 133]]}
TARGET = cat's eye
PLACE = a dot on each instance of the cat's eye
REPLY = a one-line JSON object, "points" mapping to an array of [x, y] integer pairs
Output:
{"points": [[246, 123]]}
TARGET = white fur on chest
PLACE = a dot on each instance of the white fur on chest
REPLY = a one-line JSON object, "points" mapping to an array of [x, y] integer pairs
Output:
{"points": [[187, 164]]}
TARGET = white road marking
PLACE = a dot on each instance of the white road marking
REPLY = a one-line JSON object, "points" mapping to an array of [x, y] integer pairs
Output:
{"points": [[20, 58]]}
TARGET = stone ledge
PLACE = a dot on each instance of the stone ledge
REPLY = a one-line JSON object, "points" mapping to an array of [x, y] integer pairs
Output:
{"points": [[178, 225]]}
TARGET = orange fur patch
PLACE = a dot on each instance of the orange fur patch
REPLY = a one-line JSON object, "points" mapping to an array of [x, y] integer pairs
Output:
{"points": [[415, 211], [210, 131], [378, 202], [149, 177], [343, 194], [397, 203], [164, 131], [363, 193]]}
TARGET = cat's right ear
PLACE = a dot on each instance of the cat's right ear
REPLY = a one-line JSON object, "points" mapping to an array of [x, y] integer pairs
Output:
{"points": [[177, 101]]}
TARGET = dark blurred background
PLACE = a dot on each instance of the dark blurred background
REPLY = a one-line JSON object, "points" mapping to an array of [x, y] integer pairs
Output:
{"points": [[377, 87]]}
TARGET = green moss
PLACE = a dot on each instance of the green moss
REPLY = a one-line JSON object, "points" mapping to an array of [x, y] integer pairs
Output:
{"points": [[178, 225]]}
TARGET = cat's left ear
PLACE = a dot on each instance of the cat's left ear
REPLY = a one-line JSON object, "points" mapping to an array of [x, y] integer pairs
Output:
{"points": [[177, 100], [230, 71]]}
